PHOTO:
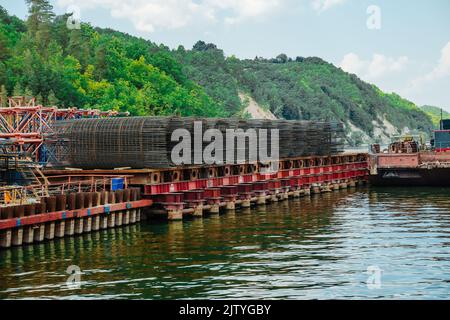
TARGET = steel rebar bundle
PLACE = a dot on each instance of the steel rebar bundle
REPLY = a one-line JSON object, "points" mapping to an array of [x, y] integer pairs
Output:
{"points": [[146, 142]]}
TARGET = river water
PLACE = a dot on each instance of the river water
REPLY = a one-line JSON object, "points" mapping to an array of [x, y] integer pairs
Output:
{"points": [[348, 244]]}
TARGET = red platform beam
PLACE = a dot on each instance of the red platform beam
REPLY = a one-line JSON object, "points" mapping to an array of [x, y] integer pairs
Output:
{"points": [[68, 214], [308, 176]]}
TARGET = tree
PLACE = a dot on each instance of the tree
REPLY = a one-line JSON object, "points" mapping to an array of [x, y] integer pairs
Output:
{"points": [[202, 46], [60, 32], [115, 60], [40, 13], [14, 23], [37, 76], [39, 22], [2, 74], [4, 47], [164, 61], [78, 45], [68, 82], [282, 58]]}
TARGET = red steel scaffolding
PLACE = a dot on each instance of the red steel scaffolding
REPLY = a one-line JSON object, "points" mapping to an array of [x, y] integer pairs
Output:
{"points": [[23, 124]]}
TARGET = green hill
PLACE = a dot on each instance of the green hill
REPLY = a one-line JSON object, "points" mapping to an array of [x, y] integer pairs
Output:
{"points": [[102, 68], [435, 114], [303, 88]]}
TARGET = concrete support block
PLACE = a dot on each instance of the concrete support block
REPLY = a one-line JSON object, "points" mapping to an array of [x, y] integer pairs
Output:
{"points": [[119, 218], [87, 227], [60, 227], [198, 211], [111, 220], [39, 233], [104, 222], [79, 225], [70, 227], [5, 238], [246, 203], [28, 234], [175, 214], [261, 199], [214, 209], [230, 205], [49, 231], [95, 223], [17, 236], [133, 216], [138, 215], [126, 217]]}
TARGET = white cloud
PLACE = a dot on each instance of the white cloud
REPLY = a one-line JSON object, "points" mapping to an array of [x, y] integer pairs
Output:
{"points": [[244, 8], [150, 15], [147, 16], [382, 65], [441, 70], [352, 63], [431, 86], [323, 5], [377, 67], [417, 81]]}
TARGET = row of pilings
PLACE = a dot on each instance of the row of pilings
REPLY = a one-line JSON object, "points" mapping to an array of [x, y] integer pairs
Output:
{"points": [[75, 213], [67, 214], [196, 203]]}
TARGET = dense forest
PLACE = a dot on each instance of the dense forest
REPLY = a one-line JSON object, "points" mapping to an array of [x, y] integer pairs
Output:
{"points": [[92, 68], [101, 68]]}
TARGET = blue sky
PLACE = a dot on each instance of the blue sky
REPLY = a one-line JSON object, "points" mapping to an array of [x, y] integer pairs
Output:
{"points": [[406, 50]]}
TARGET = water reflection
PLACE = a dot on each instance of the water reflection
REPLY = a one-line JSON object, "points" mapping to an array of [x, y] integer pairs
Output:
{"points": [[318, 247]]}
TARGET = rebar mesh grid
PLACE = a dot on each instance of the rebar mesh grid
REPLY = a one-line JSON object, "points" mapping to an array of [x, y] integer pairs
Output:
{"points": [[145, 142]]}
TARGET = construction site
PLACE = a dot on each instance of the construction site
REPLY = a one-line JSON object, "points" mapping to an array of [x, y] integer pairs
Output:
{"points": [[66, 172]]}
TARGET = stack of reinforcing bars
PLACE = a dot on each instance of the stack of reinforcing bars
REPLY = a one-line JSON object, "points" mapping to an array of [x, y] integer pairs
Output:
{"points": [[146, 142]]}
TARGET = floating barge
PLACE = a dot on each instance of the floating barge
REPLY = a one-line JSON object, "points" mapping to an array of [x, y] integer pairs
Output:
{"points": [[424, 168], [407, 162]]}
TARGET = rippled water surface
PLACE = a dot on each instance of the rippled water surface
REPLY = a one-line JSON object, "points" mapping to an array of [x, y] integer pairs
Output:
{"points": [[310, 248]]}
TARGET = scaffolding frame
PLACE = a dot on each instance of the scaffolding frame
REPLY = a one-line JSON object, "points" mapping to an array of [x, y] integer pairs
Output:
{"points": [[24, 124]]}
